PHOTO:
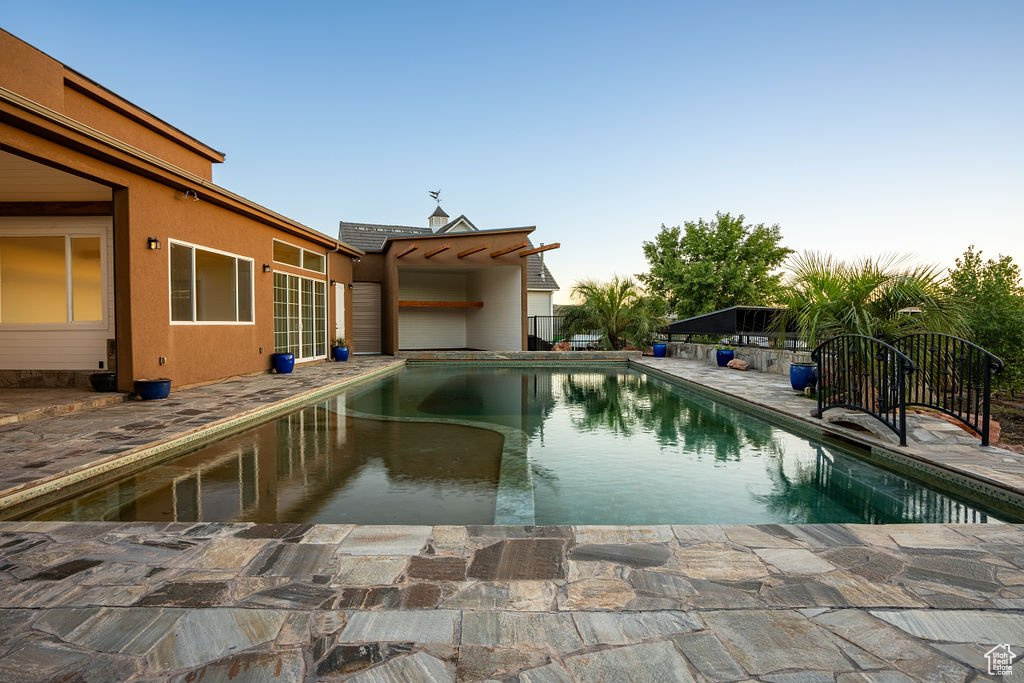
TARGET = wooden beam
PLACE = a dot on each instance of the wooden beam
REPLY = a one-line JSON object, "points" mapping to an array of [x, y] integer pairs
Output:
{"points": [[509, 250], [438, 250], [545, 247], [440, 304], [56, 208], [407, 251], [472, 250]]}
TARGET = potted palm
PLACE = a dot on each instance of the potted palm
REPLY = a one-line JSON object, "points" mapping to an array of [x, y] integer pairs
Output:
{"points": [[340, 349]]}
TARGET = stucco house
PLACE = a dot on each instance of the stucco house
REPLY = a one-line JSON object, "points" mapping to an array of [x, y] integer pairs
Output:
{"points": [[449, 285]]}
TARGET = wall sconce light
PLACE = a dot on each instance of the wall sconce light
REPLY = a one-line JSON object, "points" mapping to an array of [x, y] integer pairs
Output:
{"points": [[191, 194], [266, 267], [356, 259], [153, 243]]}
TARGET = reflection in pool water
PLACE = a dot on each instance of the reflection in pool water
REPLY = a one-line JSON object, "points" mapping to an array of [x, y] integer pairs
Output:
{"points": [[585, 445]]}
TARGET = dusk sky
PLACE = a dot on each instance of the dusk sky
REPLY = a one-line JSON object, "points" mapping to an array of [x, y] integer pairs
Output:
{"points": [[861, 128]]}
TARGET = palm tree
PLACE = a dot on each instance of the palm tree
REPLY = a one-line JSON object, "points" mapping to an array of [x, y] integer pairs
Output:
{"points": [[618, 310], [884, 297]]}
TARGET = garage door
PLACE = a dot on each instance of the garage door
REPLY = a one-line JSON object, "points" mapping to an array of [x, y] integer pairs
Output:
{"points": [[366, 317]]}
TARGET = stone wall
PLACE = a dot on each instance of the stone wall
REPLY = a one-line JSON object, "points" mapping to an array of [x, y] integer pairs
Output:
{"points": [[773, 361]]}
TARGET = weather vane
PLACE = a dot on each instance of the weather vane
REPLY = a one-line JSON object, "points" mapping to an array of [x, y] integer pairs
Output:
{"points": [[435, 195]]}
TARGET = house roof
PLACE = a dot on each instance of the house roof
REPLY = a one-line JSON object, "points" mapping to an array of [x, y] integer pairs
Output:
{"points": [[439, 212], [452, 223], [372, 237]]}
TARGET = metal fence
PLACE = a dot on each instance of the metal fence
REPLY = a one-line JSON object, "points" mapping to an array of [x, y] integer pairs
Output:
{"points": [[764, 341], [865, 374], [544, 331], [953, 376]]}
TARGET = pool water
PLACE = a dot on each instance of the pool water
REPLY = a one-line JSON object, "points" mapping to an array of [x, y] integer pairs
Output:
{"points": [[437, 444]]}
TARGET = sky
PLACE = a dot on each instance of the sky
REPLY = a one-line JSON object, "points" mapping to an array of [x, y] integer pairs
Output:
{"points": [[861, 128]]}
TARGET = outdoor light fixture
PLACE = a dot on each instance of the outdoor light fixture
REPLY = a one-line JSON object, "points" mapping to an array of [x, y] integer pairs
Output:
{"points": [[266, 267], [153, 243], [191, 194]]}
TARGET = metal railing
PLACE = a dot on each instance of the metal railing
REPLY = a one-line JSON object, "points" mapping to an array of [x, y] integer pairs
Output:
{"points": [[763, 341], [954, 376], [865, 374], [544, 331]]}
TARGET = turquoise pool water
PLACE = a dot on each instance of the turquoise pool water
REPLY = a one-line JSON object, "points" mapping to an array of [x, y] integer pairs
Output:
{"points": [[541, 445]]}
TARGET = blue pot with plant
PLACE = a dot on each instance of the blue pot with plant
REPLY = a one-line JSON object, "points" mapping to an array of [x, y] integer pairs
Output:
{"points": [[724, 355], [283, 363], [660, 349], [340, 349], [803, 375]]}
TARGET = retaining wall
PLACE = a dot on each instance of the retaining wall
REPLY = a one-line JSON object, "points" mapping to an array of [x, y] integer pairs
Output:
{"points": [[773, 361]]}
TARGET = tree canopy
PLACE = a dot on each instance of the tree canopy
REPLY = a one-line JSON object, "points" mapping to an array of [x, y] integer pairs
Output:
{"points": [[618, 310], [993, 298], [704, 266]]}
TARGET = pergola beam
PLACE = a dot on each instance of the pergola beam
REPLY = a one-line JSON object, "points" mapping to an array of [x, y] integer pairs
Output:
{"points": [[543, 247], [509, 250], [407, 251], [472, 250], [438, 250]]}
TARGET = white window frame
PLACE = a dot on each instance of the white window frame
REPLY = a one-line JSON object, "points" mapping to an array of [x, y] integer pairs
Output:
{"points": [[302, 257], [192, 267], [53, 228]]}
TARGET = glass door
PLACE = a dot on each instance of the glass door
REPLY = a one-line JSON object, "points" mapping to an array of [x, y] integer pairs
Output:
{"points": [[300, 316]]}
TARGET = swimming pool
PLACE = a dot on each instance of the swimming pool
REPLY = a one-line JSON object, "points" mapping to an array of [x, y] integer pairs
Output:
{"points": [[437, 444]]}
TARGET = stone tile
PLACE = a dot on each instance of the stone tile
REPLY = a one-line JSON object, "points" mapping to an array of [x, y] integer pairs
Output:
{"points": [[226, 553], [596, 570], [871, 563], [450, 540], [295, 631], [65, 569], [486, 533], [551, 673], [803, 594], [695, 535], [661, 585], [891, 646], [633, 554], [327, 533], [711, 595], [369, 570], [718, 563], [193, 595], [760, 537], [623, 629], [281, 666], [709, 657], [202, 636], [768, 642], [608, 535], [861, 592], [428, 626], [40, 660], [794, 560], [385, 540], [824, 535], [477, 662], [961, 626], [950, 570], [596, 594], [131, 631], [646, 662], [524, 596], [875, 677], [347, 659], [801, 677], [293, 596], [437, 568], [930, 537], [546, 632], [417, 668], [519, 559], [293, 560]]}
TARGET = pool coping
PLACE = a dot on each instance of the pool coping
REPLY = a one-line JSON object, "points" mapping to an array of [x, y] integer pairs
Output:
{"points": [[119, 464], [904, 458]]}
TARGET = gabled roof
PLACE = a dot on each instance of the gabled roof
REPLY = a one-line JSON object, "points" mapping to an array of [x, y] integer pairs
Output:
{"points": [[371, 237], [451, 224], [439, 212]]}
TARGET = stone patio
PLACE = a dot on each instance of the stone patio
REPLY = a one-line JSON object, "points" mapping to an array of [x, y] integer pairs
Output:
{"points": [[218, 602]]}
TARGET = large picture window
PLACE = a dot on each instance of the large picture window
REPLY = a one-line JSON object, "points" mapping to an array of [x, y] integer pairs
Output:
{"points": [[51, 279], [209, 286]]}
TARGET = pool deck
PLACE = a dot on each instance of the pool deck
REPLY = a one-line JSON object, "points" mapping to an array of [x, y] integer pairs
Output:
{"points": [[287, 602]]}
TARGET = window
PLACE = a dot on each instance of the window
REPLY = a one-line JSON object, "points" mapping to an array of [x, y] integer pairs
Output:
{"points": [[300, 316], [292, 255], [209, 286], [51, 279]]}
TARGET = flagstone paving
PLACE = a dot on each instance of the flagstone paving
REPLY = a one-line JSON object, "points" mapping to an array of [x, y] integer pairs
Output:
{"points": [[240, 602]]}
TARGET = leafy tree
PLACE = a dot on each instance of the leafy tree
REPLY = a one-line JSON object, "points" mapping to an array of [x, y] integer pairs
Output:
{"points": [[713, 265], [885, 298], [619, 310], [994, 304]]}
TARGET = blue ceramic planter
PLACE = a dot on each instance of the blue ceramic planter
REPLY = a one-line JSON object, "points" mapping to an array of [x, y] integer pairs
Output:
{"points": [[152, 389], [340, 353], [283, 362], [660, 349], [723, 356], [803, 375]]}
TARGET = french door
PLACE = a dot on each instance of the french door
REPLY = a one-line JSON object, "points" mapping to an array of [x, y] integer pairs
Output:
{"points": [[300, 316]]}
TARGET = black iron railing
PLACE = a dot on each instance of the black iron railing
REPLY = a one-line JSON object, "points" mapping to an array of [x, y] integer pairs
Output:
{"points": [[763, 341], [866, 374], [544, 331], [953, 376]]}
